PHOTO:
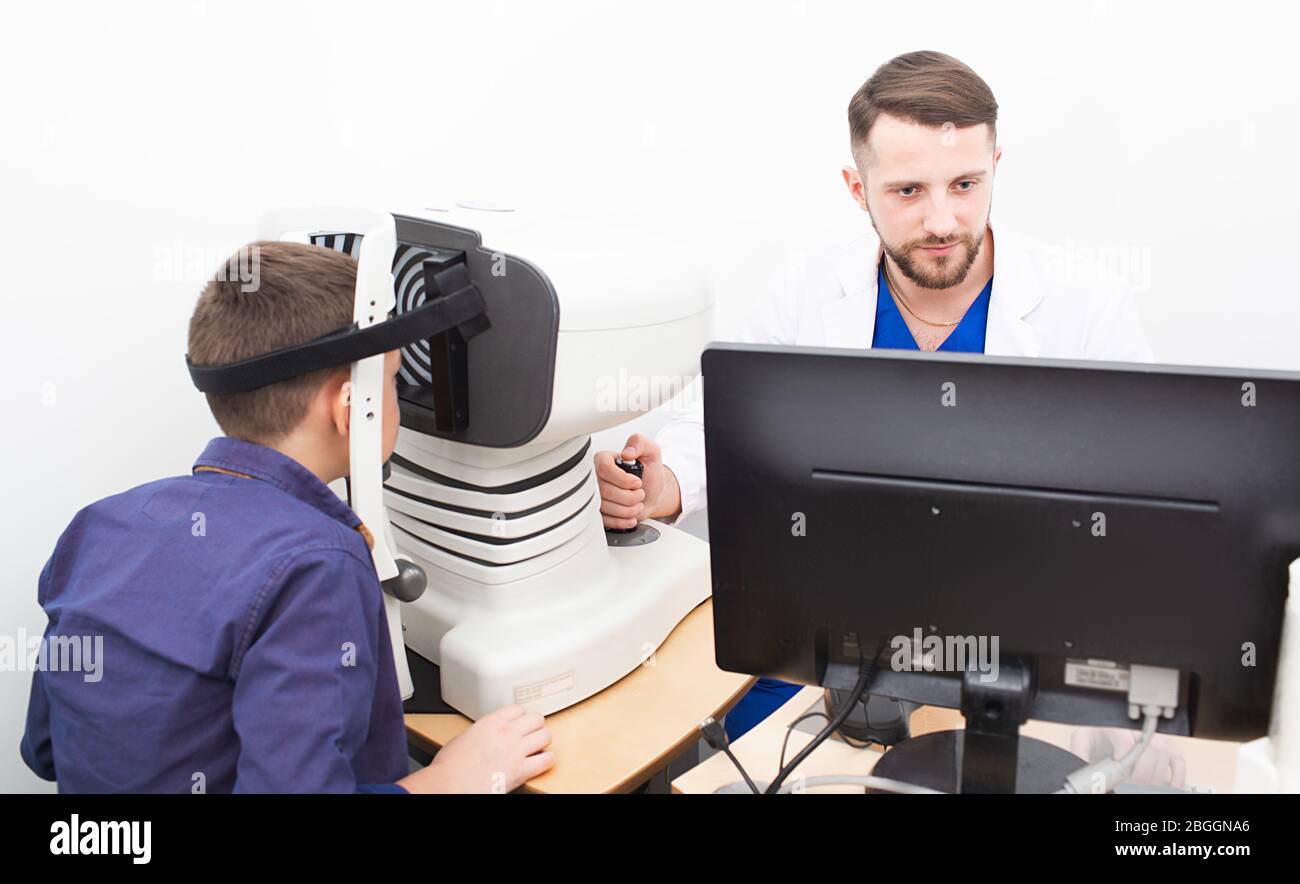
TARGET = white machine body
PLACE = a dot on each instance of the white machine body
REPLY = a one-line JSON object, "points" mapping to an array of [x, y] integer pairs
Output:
{"points": [[374, 298], [526, 601]]}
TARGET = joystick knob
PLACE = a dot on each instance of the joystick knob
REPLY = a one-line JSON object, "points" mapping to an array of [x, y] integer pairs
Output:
{"points": [[635, 468]]}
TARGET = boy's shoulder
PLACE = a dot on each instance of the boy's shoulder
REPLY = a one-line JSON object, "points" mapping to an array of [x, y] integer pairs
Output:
{"points": [[193, 567], [209, 521]]}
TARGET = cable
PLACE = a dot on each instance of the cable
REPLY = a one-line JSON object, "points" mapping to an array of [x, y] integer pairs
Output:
{"points": [[880, 784], [791, 726], [716, 736], [850, 741], [1148, 732], [856, 743], [740, 767], [866, 667], [1113, 770]]}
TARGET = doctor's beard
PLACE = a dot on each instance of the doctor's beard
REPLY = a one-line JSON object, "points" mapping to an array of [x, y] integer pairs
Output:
{"points": [[950, 270]]}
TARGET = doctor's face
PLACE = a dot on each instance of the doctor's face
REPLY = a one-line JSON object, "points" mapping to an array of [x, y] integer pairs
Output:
{"points": [[928, 191]]}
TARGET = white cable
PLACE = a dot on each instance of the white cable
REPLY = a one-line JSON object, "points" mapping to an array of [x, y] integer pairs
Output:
{"points": [[1113, 771], [880, 784]]}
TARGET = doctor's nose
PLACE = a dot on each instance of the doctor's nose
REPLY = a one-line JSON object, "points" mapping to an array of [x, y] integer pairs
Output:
{"points": [[940, 221]]}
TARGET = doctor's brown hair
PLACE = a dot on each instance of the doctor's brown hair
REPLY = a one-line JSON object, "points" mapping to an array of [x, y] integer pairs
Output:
{"points": [[929, 88], [299, 293]]}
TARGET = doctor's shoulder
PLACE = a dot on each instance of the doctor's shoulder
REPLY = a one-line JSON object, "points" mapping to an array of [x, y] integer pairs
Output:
{"points": [[798, 283], [1089, 295], [1079, 274]]}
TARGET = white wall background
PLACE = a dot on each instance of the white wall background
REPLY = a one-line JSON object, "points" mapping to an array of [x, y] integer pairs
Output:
{"points": [[138, 138]]}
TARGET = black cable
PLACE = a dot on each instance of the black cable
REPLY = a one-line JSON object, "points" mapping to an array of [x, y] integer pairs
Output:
{"points": [[850, 741], [859, 744], [866, 666], [866, 715], [791, 726], [716, 736], [736, 761]]}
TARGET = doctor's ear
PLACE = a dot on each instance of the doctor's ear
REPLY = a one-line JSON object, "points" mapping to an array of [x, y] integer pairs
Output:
{"points": [[857, 187]]}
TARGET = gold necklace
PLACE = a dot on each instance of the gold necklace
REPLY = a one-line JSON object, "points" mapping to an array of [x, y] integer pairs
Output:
{"points": [[897, 293]]}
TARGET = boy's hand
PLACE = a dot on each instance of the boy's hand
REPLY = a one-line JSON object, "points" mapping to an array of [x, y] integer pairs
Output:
{"points": [[499, 753]]}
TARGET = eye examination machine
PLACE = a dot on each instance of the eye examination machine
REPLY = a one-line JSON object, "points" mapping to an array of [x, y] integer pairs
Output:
{"points": [[488, 539]]}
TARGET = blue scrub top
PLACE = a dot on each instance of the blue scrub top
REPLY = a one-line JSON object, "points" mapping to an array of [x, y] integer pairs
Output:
{"points": [[891, 333]]}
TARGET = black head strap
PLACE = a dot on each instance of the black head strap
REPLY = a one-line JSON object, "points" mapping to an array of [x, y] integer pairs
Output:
{"points": [[461, 309]]}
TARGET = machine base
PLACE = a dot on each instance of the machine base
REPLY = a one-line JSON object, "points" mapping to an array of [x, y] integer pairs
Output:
{"points": [[553, 639], [427, 680]]}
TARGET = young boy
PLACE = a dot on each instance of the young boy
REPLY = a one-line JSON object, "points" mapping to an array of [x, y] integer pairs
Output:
{"points": [[244, 644]]}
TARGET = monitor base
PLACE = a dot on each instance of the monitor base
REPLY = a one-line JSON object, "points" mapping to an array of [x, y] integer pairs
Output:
{"points": [[934, 761]]}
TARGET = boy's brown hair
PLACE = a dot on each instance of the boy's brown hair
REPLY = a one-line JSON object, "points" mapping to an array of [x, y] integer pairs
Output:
{"points": [[927, 87], [299, 293]]}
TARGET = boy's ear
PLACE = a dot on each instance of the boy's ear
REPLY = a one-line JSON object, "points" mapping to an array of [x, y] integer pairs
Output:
{"points": [[341, 407]]}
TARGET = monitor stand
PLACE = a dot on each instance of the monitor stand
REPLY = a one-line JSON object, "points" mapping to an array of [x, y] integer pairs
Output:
{"points": [[989, 756]]}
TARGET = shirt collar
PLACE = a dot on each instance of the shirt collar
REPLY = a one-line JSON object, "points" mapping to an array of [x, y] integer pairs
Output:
{"points": [[251, 459]]}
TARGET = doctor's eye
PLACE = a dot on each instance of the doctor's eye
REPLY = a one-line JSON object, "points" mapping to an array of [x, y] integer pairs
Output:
{"points": [[906, 191], [966, 186]]}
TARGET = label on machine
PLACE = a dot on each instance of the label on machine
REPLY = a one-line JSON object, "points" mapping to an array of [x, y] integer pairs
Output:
{"points": [[540, 690]]}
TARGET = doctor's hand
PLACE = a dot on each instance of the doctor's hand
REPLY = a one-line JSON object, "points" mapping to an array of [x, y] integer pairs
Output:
{"points": [[498, 754], [625, 499]]}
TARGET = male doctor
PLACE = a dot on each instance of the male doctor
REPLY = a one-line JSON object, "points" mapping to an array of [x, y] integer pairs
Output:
{"points": [[933, 276]]}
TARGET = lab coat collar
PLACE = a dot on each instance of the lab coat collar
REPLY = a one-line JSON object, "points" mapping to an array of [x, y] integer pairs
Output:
{"points": [[850, 321]]}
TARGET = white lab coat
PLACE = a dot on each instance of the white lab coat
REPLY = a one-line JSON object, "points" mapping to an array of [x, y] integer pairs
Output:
{"points": [[1045, 302]]}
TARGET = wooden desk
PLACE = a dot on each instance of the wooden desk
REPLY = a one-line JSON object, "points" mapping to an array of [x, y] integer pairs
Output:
{"points": [[614, 740], [1210, 764]]}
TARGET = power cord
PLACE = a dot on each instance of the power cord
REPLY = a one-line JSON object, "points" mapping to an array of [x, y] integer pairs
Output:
{"points": [[865, 669], [790, 728], [856, 744], [716, 736]]}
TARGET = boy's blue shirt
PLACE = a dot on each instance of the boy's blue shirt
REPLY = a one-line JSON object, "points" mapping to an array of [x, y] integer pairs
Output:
{"points": [[245, 645]]}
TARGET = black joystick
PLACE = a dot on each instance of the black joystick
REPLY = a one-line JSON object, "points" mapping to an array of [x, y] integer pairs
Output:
{"points": [[635, 468]]}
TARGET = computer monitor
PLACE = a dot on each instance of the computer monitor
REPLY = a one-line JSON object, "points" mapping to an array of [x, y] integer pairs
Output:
{"points": [[1087, 516]]}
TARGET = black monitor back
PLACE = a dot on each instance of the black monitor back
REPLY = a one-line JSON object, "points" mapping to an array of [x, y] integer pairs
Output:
{"points": [[1075, 510]]}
